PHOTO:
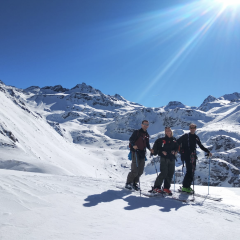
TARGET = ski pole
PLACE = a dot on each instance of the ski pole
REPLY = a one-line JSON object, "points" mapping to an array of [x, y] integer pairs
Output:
{"points": [[138, 172], [182, 164], [192, 157], [155, 167], [174, 178], [208, 172], [174, 173], [193, 180], [209, 176]]}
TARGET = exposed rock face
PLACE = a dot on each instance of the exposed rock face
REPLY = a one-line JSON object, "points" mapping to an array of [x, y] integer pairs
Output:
{"points": [[175, 104], [57, 127], [57, 88], [7, 138]]}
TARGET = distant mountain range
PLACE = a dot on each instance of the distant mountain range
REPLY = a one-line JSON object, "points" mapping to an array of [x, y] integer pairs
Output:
{"points": [[42, 127]]}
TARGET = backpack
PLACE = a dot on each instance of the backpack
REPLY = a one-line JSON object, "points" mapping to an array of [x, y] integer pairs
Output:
{"points": [[130, 147]]}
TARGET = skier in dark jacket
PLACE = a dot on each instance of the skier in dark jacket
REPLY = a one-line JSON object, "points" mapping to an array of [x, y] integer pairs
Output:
{"points": [[188, 143], [166, 148], [139, 141]]}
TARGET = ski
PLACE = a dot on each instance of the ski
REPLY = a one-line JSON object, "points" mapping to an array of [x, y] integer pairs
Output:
{"points": [[123, 188], [163, 195], [182, 200], [151, 194], [201, 196]]}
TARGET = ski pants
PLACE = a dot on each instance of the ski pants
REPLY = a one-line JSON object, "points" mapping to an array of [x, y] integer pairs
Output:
{"points": [[136, 168], [167, 168], [187, 181]]}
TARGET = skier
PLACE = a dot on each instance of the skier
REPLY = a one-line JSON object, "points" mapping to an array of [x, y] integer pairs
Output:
{"points": [[188, 143], [139, 141], [166, 148]]}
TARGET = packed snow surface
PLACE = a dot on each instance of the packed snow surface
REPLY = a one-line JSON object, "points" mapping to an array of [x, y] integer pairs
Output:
{"points": [[44, 206]]}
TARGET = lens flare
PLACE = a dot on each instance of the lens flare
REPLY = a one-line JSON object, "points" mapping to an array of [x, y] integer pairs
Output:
{"points": [[228, 2], [176, 34]]}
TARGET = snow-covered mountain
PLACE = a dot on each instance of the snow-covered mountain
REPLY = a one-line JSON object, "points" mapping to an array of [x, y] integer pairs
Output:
{"points": [[58, 130], [63, 151], [211, 102]]}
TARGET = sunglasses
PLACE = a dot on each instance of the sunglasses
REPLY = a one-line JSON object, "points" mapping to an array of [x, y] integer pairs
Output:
{"points": [[145, 124], [192, 127]]}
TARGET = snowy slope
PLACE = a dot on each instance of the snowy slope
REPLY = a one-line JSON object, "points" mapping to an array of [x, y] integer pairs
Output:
{"points": [[63, 151], [42, 206], [29, 143]]}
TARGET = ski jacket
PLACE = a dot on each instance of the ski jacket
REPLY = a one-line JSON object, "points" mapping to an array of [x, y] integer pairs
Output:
{"points": [[189, 142], [141, 139], [165, 144]]}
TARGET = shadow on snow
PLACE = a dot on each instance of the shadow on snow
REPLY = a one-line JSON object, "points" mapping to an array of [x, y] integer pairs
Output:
{"points": [[108, 196], [134, 202]]}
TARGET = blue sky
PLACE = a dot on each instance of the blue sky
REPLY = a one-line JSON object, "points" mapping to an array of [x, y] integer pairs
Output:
{"points": [[150, 52]]}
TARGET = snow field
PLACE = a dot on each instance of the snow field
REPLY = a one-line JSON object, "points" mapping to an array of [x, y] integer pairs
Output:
{"points": [[43, 206]]}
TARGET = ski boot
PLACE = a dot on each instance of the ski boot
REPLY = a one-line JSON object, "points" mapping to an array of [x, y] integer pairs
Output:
{"points": [[129, 186], [187, 190], [167, 191], [157, 190], [135, 186]]}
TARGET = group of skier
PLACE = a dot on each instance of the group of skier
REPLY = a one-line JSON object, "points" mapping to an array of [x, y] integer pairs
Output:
{"points": [[167, 148]]}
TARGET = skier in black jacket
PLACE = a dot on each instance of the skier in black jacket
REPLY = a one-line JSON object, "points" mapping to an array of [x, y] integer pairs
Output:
{"points": [[139, 141], [166, 148], [188, 143]]}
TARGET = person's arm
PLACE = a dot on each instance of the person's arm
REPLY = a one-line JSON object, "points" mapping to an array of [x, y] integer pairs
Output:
{"points": [[162, 148], [156, 147], [175, 147], [201, 146], [147, 143], [180, 140]]}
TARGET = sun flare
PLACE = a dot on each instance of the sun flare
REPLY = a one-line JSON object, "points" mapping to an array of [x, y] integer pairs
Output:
{"points": [[228, 2]]}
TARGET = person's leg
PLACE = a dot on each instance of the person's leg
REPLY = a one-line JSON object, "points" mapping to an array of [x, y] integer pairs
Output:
{"points": [[187, 181], [171, 169], [134, 170], [141, 165], [163, 173]]}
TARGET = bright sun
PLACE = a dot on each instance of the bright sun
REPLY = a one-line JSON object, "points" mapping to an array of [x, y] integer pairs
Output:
{"points": [[228, 2]]}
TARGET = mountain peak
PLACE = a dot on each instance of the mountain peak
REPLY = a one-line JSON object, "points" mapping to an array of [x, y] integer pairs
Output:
{"points": [[118, 97], [231, 97], [84, 88], [175, 104], [210, 98], [33, 89]]}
